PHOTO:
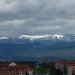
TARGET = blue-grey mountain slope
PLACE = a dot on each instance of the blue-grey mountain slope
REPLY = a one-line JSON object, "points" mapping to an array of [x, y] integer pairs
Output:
{"points": [[42, 47]]}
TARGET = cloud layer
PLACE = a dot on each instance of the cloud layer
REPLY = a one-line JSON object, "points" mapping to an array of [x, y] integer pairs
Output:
{"points": [[36, 17]]}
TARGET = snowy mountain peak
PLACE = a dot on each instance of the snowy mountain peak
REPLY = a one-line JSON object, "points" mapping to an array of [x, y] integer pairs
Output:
{"points": [[58, 36], [2, 38]]}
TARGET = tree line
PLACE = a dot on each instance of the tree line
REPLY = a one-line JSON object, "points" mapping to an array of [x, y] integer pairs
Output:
{"points": [[52, 70]]}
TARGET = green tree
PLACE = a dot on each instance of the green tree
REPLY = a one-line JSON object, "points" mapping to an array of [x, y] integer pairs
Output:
{"points": [[42, 70], [65, 69], [27, 73], [52, 69], [59, 72], [73, 73]]}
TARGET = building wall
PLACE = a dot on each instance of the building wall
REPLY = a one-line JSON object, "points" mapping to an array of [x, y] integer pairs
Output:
{"points": [[70, 67], [14, 72]]}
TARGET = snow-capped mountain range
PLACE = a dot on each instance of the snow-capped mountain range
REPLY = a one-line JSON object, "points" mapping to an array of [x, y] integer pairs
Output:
{"points": [[35, 47], [41, 37], [44, 37]]}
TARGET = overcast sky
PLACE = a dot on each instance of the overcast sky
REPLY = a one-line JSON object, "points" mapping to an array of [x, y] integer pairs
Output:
{"points": [[32, 17]]}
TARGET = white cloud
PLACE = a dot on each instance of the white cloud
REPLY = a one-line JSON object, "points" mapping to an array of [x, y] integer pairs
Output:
{"points": [[14, 23], [37, 16]]}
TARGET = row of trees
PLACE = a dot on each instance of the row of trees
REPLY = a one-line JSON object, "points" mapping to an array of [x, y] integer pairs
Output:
{"points": [[48, 70], [54, 71], [51, 70]]}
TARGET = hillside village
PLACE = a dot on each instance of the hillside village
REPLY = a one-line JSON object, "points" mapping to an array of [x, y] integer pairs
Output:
{"points": [[38, 68]]}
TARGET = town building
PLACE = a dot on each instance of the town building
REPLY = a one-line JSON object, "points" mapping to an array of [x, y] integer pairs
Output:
{"points": [[11, 68], [68, 65]]}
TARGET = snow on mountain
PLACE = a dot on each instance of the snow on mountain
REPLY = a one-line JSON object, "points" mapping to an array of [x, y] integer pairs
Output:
{"points": [[34, 37], [58, 36], [42, 37], [4, 38]]}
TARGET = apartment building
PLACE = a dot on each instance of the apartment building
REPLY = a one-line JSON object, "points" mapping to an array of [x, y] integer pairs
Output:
{"points": [[69, 65]]}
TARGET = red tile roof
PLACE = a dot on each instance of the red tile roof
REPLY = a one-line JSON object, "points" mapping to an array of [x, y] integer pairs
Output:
{"points": [[70, 63], [17, 66]]}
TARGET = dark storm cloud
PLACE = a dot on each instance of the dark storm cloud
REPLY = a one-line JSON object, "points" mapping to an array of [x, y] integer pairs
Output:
{"points": [[36, 17]]}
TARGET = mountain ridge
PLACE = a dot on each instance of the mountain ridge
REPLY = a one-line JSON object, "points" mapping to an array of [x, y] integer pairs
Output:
{"points": [[45, 37], [56, 47]]}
